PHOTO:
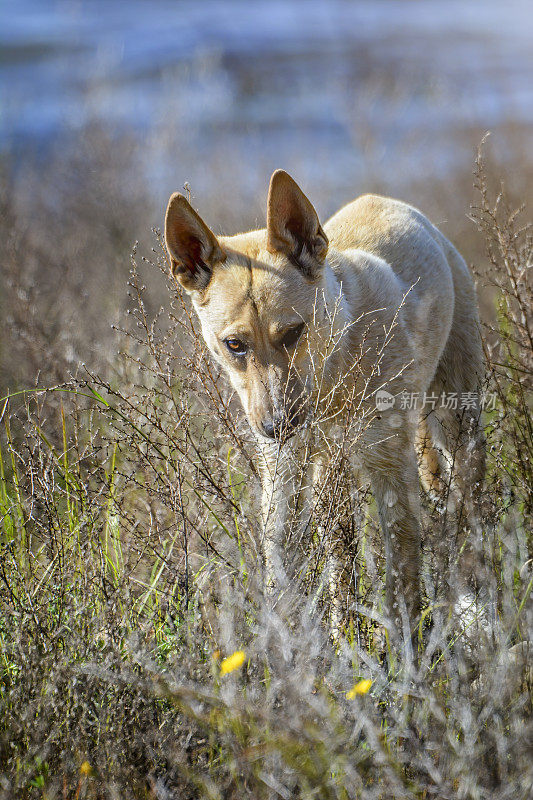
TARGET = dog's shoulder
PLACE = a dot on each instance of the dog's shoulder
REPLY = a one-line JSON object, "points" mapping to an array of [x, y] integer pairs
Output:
{"points": [[398, 234], [371, 221]]}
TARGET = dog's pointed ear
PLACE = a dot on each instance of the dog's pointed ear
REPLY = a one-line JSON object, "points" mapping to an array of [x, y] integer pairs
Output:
{"points": [[192, 246], [293, 227]]}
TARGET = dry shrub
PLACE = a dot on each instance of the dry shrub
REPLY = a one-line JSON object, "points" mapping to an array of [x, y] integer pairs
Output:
{"points": [[131, 567]]}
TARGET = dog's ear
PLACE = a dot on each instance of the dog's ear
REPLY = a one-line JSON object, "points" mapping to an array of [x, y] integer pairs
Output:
{"points": [[293, 226], [193, 248]]}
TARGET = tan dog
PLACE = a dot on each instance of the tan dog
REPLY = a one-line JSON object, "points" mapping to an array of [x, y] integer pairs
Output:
{"points": [[377, 300]]}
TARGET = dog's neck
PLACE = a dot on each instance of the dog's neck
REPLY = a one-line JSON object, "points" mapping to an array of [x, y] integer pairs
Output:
{"points": [[331, 317], [332, 303]]}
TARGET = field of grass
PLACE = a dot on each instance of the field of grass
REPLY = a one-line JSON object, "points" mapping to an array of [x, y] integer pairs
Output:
{"points": [[140, 656]]}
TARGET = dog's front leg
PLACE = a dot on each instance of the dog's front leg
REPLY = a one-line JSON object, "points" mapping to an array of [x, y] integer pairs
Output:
{"points": [[277, 479], [331, 511], [392, 468]]}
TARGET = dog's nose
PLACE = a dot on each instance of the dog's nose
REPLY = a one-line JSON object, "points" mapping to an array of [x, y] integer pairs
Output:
{"points": [[280, 424], [269, 428], [273, 426]]}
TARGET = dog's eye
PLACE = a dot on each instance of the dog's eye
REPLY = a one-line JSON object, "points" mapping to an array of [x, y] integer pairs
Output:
{"points": [[236, 347], [291, 336]]}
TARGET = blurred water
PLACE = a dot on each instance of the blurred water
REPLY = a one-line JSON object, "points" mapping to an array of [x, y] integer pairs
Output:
{"points": [[329, 89]]}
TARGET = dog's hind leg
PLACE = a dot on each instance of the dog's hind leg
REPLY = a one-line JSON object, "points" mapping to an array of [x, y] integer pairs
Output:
{"points": [[458, 438], [455, 424]]}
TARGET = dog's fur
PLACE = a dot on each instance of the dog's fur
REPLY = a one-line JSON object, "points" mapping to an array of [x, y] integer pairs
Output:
{"points": [[378, 284]]}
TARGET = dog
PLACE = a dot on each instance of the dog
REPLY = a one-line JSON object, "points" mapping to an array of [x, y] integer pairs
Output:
{"points": [[386, 306]]}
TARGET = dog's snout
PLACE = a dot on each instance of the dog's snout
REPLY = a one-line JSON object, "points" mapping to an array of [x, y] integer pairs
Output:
{"points": [[275, 425]]}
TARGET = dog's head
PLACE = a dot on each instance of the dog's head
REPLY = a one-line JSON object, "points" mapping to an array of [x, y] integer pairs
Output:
{"points": [[255, 295]]}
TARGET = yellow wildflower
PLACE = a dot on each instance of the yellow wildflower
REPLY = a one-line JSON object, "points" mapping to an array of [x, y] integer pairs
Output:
{"points": [[234, 661], [86, 768], [361, 687]]}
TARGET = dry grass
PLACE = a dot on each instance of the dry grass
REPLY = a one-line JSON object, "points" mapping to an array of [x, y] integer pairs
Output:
{"points": [[130, 568]]}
